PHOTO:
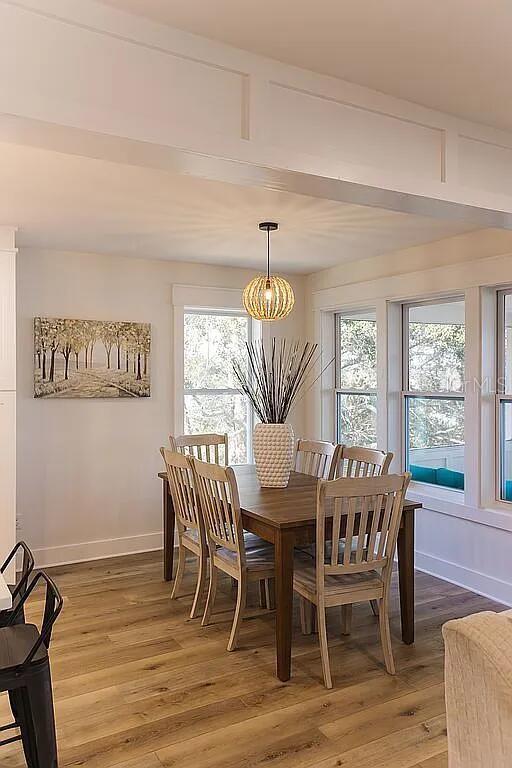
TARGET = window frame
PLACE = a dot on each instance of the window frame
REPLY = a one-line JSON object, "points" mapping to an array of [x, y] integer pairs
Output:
{"points": [[205, 391], [407, 394], [501, 395], [347, 314]]}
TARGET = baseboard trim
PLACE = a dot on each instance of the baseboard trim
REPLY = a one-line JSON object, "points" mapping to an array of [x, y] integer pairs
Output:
{"points": [[67, 554], [481, 583], [97, 550]]}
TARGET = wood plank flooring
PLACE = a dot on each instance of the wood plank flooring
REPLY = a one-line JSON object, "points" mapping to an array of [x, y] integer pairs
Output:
{"points": [[139, 685]]}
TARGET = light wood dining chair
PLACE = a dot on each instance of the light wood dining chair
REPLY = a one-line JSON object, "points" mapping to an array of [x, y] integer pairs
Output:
{"points": [[363, 570], [356, 461], [189, 523], [220, 505], [210, 447], [317, 458]]}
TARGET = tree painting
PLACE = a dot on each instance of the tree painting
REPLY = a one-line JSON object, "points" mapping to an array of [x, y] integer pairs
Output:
{"points": [[91, 358]]}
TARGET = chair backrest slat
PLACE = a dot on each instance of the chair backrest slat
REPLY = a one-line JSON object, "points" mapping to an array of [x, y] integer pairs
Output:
{"points": [[203, 447], [218, 493], [336, 527], [352, 503], [350, 533], [385, 526], [354, 461], [316, 458], [372, 539], [363, 526]]}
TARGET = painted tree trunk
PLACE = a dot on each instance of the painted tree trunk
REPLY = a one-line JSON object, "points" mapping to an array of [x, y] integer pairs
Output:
{"points": [[52, 366]]}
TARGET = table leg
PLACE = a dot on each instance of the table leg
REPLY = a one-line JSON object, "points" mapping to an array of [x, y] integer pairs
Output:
{"points": [[284, 602], [406, 575], [168, 512]]}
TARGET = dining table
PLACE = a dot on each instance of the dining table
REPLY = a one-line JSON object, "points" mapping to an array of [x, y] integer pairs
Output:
{"points": [[286, 517]]}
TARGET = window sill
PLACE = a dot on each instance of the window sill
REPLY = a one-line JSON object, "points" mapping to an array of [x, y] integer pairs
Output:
{"points": [[449, 501]]}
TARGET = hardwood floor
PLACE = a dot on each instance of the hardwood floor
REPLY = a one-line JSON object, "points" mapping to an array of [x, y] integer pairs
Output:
{"points": [[139, 685]]}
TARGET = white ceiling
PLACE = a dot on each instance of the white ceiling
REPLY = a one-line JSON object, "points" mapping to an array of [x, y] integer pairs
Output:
{"points": [[450, 55], [67, 202]]}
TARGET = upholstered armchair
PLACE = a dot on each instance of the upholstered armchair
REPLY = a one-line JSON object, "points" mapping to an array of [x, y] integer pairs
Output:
{"points": [[479, 690]]}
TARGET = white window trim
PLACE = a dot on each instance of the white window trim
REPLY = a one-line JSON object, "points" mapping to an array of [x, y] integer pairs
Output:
{"points": [[480, 279], [212, 391], [350, 390], [209, 299], [450, 495], [500, 394], [204, 297]]}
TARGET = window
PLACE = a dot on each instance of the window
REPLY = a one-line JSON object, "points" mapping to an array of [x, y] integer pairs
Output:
{"points": [[212, 402], [433, 391], [504, 394], [356, 379]]}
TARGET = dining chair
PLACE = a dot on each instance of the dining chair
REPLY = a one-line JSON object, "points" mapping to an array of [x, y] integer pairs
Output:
{"points": [[363, 570], [25, 674], [356, 461], [209, 447], [189, 523], [220, 505], [317, 458]]}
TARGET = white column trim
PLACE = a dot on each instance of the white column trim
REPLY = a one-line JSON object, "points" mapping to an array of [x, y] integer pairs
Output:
{"points": [[472, 376]]}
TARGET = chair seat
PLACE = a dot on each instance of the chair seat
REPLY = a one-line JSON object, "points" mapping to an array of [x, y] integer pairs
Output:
{"points": [[355, 586], [310, 549], [251, 540], [259, 560], [15, 644], [190, 538]]}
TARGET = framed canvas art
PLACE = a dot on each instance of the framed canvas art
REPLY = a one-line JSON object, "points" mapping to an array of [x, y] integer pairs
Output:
{"points": [[91, 358]]}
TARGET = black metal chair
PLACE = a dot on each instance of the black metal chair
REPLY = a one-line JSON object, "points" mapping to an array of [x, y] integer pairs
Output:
{"points": [[18, 590], [25, 675]]}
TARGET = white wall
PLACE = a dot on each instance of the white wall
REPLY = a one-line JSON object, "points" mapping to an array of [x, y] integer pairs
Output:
{"points": [[465, 538], [7, 393], [87, 483]]}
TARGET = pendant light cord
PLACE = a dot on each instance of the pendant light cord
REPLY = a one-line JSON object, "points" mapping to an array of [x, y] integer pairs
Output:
{"points": [[268, 253]]}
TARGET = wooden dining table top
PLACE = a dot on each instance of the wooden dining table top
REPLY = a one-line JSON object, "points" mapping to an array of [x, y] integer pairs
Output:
{"points": [[289, 507]]}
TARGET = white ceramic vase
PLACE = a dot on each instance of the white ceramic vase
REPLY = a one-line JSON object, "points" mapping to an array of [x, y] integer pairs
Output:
{"points": [[273, 454]]}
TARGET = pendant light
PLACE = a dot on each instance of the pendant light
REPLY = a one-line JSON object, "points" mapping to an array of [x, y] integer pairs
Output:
{"points": [[268, 297]]}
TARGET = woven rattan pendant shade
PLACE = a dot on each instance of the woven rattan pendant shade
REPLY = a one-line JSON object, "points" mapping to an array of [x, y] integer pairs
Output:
{"points": [[268, 297]]}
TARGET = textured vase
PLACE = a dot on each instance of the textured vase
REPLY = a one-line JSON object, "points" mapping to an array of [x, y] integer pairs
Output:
{"points": [[273, 454]]}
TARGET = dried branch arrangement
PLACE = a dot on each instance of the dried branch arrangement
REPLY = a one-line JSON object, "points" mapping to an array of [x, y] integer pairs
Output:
{"points": [[274, 375]]}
